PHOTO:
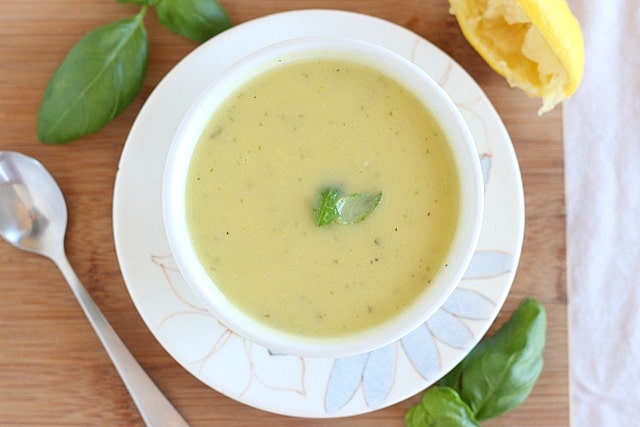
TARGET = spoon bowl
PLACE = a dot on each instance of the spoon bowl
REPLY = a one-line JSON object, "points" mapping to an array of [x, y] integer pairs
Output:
{"points": [[33, 217], [32, 221]]}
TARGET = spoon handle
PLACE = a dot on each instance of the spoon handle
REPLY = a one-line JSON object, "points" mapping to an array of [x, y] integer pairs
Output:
{"points": [[152, 404]]}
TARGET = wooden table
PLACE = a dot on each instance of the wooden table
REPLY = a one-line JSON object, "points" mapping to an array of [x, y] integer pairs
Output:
{"points": [[53, 369]]}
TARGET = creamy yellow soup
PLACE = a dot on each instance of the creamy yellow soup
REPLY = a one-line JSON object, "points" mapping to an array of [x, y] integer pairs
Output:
{"points": [[256, 173]]}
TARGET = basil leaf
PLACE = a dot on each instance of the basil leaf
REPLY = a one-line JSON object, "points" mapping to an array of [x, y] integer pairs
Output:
{"points": [[198, 20], [325, 210], [440, 407], [331, 207], [356, 207], [97, 80], [501, 371]]}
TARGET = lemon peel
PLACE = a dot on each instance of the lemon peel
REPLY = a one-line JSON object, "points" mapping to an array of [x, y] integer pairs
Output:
{"points": [[536, 45]]}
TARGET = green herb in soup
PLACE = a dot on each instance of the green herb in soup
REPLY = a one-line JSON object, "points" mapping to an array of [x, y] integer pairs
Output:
{"points": [[330, 207], [325, 210], [254, 180]]}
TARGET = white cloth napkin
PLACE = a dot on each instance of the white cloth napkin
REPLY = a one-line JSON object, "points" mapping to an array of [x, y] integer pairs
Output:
{"points": [[602, 168]]}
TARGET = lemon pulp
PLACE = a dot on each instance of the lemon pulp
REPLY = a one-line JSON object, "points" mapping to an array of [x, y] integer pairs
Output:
{"points": [[536, 45]]}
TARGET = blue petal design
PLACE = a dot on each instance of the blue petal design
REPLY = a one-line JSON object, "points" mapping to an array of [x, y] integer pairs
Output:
{"points": [[449, 329], [469, 304], [379, 375], [422, 352], [344, 381], [485, 165], [488, 264]]}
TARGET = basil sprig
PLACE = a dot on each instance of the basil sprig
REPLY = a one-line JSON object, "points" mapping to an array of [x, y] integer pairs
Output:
{"points": [[331, 206], [496, 376], [102, 74], [198, 20], [98, 79], [440, 407]]}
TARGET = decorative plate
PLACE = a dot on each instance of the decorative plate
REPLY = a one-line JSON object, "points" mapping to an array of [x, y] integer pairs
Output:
{"points": [[297, 386]]}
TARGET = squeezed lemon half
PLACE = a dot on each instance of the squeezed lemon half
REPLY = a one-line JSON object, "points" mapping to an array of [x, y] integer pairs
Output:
{"points": [[537, 45]]}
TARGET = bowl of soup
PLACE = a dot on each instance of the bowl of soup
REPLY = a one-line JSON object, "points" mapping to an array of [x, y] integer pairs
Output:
{"points": [[323, 197]]}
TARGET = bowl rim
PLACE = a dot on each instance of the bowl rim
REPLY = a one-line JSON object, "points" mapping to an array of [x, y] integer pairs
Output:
{"points": [[393, 66]]}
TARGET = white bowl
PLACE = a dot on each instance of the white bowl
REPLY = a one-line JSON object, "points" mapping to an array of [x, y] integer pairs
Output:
{"points": [[436, 101]]}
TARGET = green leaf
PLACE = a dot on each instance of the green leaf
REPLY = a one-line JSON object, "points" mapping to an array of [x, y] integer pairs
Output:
{"points": [[500, 372], [356, 207], [325, 210], [440, 407], [198, 20], [97, 80], [331, 207]]}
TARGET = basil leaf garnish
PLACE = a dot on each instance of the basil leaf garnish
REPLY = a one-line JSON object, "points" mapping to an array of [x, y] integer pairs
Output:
{"points": [[331, 206], [325, 211], [198, 20], [356, 207], [97, 80], [501, 370], [440, 407]]}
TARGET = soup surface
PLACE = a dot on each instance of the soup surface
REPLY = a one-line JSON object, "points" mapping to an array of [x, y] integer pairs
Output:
{"points": [[259, 166]]}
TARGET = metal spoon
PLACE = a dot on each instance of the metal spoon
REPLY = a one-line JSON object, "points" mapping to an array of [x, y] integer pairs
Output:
{"points": [[33, 217]]}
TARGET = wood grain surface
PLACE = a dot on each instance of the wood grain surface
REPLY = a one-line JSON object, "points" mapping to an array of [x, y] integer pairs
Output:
{"points": [[53, 370]]}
